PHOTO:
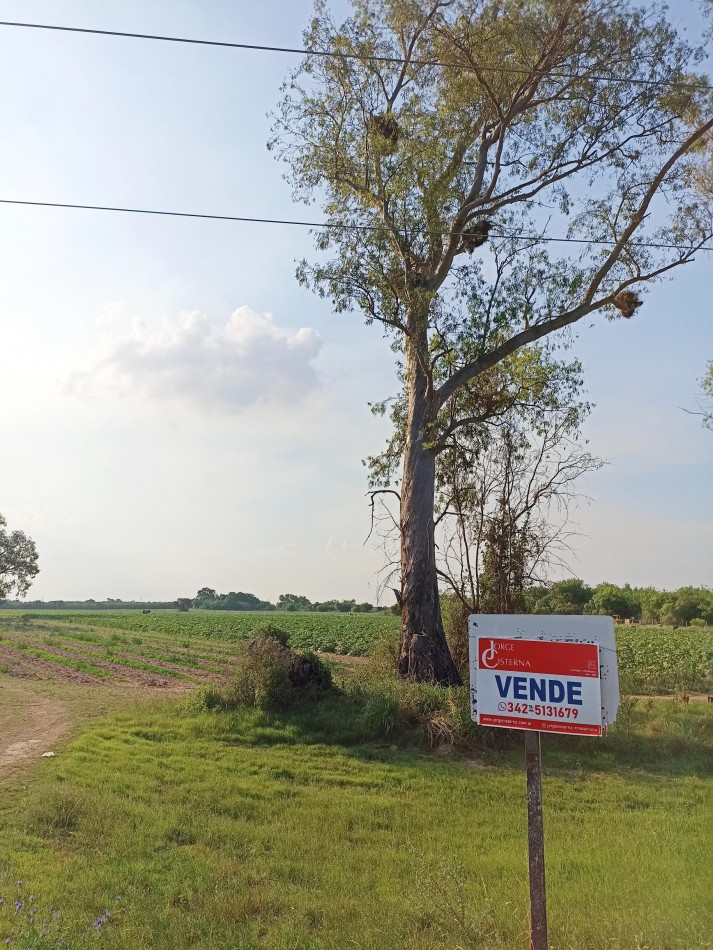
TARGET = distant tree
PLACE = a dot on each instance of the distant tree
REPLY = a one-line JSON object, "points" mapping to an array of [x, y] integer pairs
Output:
{"points": [[184, 604], [569, 596], [18, 561], [609, 599], [293, 602], [205, 596]]}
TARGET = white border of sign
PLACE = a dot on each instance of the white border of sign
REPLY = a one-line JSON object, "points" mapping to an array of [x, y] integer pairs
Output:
{"points": [[553, 627]]}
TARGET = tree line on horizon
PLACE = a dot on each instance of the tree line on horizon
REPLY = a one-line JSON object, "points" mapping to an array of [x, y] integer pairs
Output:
{"points": [[572, 596], [681, 607]]}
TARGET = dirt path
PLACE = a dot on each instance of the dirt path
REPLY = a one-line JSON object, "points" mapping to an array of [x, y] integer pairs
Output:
{"points": [[35, 726]]}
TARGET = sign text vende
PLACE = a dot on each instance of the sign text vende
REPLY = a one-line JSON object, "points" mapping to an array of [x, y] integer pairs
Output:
{"points": [[543, 685]]}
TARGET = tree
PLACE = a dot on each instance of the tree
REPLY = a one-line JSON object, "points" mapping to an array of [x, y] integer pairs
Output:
{"points": [[504, 507], [569, 596], [18, 562], [427, 128], [609, 599], [184, 604], [293, 602]]}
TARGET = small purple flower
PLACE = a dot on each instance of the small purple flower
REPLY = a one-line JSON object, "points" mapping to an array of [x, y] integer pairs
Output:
{"points": [[18, 905], [2, 901], [32, 897]]}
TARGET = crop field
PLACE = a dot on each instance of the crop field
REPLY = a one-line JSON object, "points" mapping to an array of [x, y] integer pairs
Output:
{"points": [[195, 645], [51, 649], [659, 659], [351, 634]]}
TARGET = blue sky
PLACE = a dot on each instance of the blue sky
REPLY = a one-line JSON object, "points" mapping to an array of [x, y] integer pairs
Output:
{"points": [[176, 411]]}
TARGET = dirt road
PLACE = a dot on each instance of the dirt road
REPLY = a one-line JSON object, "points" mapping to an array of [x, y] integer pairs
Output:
{"points": [[30, 724]]}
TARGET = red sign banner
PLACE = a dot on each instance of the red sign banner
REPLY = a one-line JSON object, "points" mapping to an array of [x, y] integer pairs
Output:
{"points": [[547, 686]]}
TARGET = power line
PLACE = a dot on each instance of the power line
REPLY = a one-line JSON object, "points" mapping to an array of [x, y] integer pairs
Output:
{"points": [[329, 54], [333, 225]]}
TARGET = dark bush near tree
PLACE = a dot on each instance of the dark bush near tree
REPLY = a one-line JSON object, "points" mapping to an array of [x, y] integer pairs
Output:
{"points": [[271, 675]]}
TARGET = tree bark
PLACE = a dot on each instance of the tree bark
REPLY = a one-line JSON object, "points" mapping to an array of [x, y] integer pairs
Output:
{"points": [[423, 655]]}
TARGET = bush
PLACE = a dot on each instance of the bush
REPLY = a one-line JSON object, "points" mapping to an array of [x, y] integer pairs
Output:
{"points": [[205, 699], [697, 622], [275, 633], [271, 676]]}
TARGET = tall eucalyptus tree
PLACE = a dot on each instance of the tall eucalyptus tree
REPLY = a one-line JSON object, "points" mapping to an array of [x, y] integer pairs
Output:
{"points": [[441, 137]]}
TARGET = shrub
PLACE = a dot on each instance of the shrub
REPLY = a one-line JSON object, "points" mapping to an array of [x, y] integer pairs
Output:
{"points": [[271, 676], [308, 674], [205, 699], [281, 636], [697, 622]]}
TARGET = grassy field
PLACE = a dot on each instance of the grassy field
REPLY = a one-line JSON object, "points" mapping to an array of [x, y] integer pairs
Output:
{"points": [[160, 825], [241, 830]]}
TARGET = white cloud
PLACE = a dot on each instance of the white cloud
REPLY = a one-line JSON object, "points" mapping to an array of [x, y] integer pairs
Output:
{"points": [[250, 361]]}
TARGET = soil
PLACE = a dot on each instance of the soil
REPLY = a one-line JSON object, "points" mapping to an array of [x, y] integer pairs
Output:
{"points": [[42, 723]]}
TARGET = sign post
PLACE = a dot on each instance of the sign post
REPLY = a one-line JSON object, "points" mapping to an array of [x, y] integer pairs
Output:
{"points": [[536, 843], [542, 674]]}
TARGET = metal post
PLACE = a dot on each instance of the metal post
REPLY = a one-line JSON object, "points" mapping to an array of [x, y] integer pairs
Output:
{"points": [[536, 843]]}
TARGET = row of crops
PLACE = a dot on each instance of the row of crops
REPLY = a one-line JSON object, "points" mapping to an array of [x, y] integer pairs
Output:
{"points": [[49, 646], [651, 659], [350, 634]]}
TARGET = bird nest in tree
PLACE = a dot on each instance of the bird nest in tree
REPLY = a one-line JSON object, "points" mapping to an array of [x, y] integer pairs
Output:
{"points": [[385, 131], [627, 302], [476, 235]]}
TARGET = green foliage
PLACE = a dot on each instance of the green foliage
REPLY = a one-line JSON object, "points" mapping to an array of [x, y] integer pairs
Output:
{"points": [[455, 623], [275, 633], [655, 660], [18, 561], [331, 632], [569, 596], [206, 698], [610, 599], [271, 676]]}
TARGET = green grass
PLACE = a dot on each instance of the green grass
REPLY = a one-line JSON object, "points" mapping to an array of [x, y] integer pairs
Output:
{"points": [[242, 830]]}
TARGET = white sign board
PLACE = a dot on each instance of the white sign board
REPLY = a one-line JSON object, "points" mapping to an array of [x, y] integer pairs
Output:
{"points": [[548, 673]]}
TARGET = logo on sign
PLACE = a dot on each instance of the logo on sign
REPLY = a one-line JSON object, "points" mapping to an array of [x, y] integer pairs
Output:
{"points": [[496, 656]]}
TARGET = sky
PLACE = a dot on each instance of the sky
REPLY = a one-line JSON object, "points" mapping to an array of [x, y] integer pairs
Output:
{"points": [[176, 411]]}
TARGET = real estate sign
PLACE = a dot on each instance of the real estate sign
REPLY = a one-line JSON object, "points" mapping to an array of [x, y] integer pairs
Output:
{"points": [[539, 684], [550, 674]]}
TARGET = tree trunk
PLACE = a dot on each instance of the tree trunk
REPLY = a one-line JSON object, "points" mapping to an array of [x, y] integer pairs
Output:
{"points": [[423, 655]]}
